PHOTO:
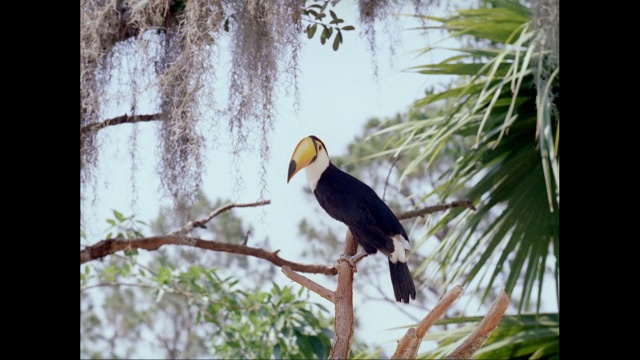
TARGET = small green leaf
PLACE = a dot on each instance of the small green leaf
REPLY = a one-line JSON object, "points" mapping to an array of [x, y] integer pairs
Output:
{"points": [[142, 272], [126, 269], [226, 25], [320, 16], [86, 270], [336, 21], [109, 235], [112, 222], [118, 215], [312, 30], [323, 36], [131, 252], [324, 6], [316, 6], [313, 12], [348, 27], [337, 41], [333, 15]]}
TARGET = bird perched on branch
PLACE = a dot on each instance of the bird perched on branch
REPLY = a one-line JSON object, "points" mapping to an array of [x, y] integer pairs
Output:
{"points": [[350, 201]]}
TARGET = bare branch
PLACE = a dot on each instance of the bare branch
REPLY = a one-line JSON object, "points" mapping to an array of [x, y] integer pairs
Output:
{"points": [[443, 304], [201, 222], [410, 342], [124, 119], [309, 284], [344, 322], [483, 331], [107, 247], [432, 209]]}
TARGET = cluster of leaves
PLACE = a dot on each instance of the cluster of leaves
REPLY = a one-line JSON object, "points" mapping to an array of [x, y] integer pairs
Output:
{"points": [[246, 324], [220, 316], [315, 14], [278, 323]]}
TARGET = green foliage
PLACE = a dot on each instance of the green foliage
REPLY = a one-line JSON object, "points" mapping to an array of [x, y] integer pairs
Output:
{"points": [[272, 324], [206, 313], [121, 227], [315, 15], [527, 336], [502, 130], [237, 323]]}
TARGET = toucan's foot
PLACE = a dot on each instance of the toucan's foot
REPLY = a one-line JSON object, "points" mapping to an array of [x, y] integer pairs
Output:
{"points": [[353, 260]]}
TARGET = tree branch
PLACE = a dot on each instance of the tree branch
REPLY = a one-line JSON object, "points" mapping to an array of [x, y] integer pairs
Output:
{"points": [[410, 342], [201, 222], [344, 323], [309, 284], [483, 331], [107, 247], [431, 209], [124, 119]]}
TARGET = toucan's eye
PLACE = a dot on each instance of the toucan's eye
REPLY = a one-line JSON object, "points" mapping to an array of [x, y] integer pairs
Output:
{"points": [[319, 147]]}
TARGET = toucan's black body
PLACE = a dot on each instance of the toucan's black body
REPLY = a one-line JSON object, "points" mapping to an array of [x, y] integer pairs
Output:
{"points": [[354, 203], [373, 225], [370, 220]]}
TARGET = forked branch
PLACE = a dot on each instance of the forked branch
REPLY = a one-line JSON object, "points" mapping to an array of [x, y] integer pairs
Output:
{"points": [[409, 345]]}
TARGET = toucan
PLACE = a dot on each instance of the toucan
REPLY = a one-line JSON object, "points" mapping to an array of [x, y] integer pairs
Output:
{"points": [[345, 198]]}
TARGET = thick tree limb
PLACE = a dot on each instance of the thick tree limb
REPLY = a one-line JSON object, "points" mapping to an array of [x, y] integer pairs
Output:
{"points": [[124, 119], [107, 247], [483, 331], [432, 209], [309, 284], [344, 320], [201, 222], [410, 342]]}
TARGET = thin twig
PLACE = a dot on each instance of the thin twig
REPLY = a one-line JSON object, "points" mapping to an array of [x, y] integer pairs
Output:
{"points": [[386, 182], [432, 209], [309, 284], [117, 284], [201, 222]]}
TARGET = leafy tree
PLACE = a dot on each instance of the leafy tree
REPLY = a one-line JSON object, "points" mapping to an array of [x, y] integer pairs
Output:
{"points": [[198, 311]]}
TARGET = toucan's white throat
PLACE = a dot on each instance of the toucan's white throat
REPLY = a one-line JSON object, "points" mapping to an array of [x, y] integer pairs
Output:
{"points": [[316, 168]]}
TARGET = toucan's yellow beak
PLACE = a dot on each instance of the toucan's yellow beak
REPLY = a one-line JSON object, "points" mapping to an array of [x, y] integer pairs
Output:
{"points": [[304, 154]]}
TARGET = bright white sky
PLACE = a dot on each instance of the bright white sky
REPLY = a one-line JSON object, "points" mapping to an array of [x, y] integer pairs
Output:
{"points": [[338, 94]]}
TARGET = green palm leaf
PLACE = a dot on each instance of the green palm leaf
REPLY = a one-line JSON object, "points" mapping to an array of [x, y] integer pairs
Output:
{"points": [[527, 336]]}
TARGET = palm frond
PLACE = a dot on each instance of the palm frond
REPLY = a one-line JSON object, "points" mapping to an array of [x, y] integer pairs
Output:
{"points": [[528, 336], [506, 120]]}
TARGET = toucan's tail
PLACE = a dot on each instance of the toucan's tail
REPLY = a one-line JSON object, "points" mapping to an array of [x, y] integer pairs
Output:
{"points": [[402, 282]]}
